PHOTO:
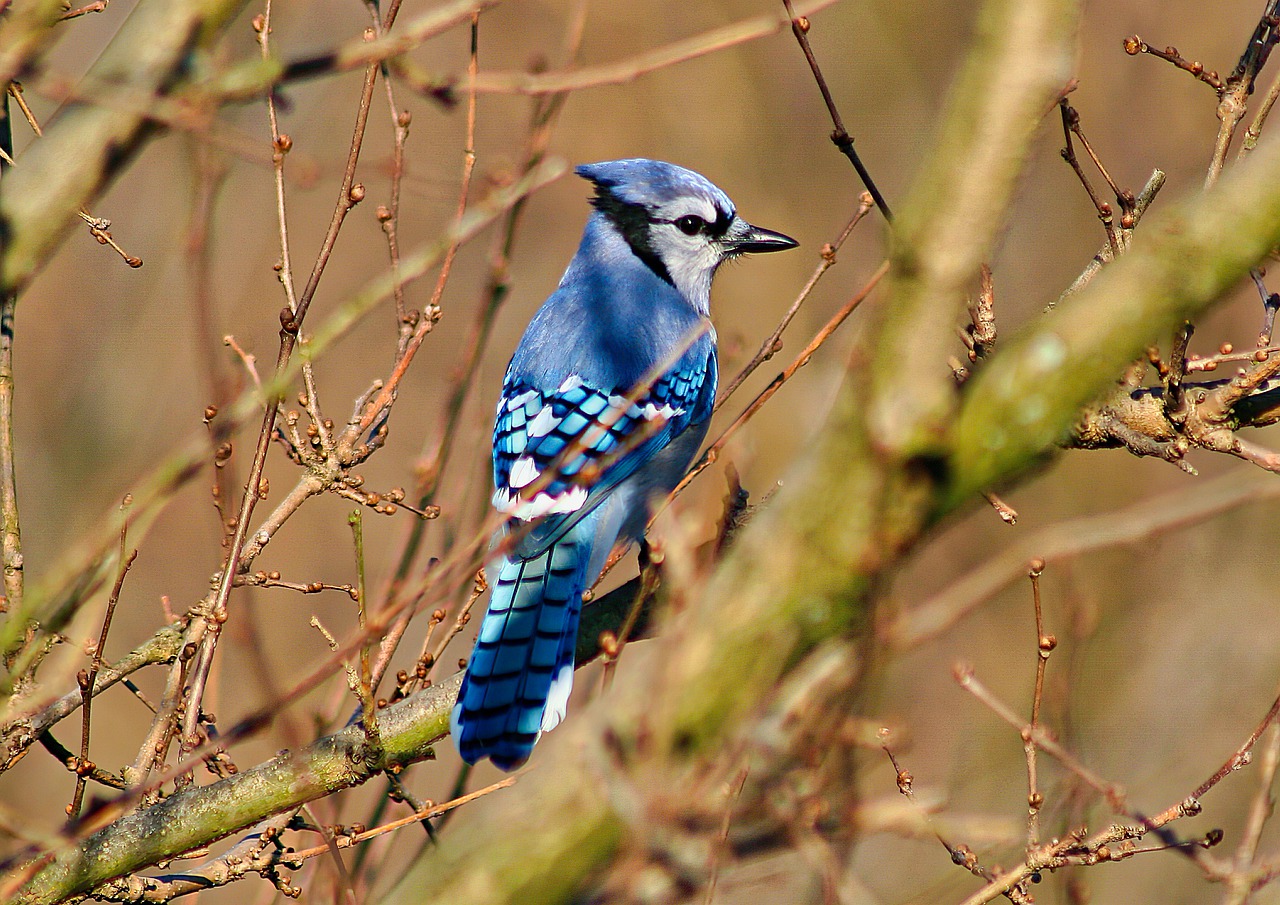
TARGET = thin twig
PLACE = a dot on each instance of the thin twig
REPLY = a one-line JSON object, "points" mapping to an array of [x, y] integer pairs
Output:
{"points": [[1070, 126], [96, 6], [430, 811], [1234, 95], [1072, 538], [576, 78], [840, 137], [291, 320], [773, 343], [368, 709], [1240, 884], [1133, 45], [713, 451], [611, 644], [961, 854], [1045, 644], [1148, 194], [10, 533], [88, 679], [433, 465], [1242, 754], [1036, 735], [734, 791]]}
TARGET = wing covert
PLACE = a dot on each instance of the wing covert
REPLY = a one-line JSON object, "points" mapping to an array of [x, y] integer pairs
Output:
{"points": [[533, 429]]}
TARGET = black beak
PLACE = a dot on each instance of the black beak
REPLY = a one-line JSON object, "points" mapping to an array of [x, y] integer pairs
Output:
{"points": [[744, 239]]}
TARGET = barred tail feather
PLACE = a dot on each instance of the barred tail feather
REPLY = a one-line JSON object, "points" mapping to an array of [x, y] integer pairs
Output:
{"points": [[521, 671]]}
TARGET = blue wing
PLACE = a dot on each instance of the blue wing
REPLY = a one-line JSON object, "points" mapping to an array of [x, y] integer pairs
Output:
{"points": [[534, 428]]}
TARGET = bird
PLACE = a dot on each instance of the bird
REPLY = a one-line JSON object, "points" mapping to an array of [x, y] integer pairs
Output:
{"points": [[605, 402]]}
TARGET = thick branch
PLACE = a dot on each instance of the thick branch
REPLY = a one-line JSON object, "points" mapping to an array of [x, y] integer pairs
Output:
{"points": [[1183, 260], [200, 815], [1022, 60]]}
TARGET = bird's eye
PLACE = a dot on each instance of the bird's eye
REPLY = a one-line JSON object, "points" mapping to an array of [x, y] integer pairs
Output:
{"points": [[691, 224]]}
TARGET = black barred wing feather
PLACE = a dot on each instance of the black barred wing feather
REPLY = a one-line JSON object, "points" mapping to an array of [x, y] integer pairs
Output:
{"points": [[599, 427]]}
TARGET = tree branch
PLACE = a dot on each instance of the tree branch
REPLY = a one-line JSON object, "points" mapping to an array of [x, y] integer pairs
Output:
{"points": [[1183, 260], [89, 144]]}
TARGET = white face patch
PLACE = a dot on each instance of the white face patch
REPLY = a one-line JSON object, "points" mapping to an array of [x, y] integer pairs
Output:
{"points": [[691, 261]]}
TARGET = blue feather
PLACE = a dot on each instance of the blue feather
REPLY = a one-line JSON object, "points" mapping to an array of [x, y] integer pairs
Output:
{"points": [[524, 653]]}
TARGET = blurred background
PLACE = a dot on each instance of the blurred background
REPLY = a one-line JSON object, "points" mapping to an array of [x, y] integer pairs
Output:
{"points": [[1168, 654]]}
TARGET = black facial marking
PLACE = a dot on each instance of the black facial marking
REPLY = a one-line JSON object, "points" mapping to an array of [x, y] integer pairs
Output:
{"points": [[633, 222], [724, 219]]}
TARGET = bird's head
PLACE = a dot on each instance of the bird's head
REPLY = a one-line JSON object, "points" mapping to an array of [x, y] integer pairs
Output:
{"points": [[676, 221]]}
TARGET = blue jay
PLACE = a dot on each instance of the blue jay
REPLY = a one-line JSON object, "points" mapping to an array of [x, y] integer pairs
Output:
{"points": [[605, 403]]}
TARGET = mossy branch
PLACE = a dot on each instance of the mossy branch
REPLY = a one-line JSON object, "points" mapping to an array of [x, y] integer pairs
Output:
{"points": [[1021, 61], [1184, 259], [95, 138], [199, 815]]}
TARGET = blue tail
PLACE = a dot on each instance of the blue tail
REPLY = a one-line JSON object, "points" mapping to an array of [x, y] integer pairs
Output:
{"points": [[521, 671]]}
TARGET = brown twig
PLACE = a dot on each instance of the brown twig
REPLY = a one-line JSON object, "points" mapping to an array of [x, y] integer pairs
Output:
{"points": [[83, 768], [1007, 513], [1174, 402], [281, 145], [961, 855], [459, 622], [10, 532], [433, 464], [88, 679], [840, 137], [1104, 255], [96, 6], [1070, 126], [1241, 882], [773, 344], [368, 708], [576, 78], [1133, 45], [99, 228], [412, 340], [291, 320], [611, 644], [1254, 131], [389, 216], [1036, 735], [712, 452], [981, 331], [212, 174], [1045, 643], [1242, 755], [1072, 538], [1233, 96], [734, 791], [431, 810]]}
